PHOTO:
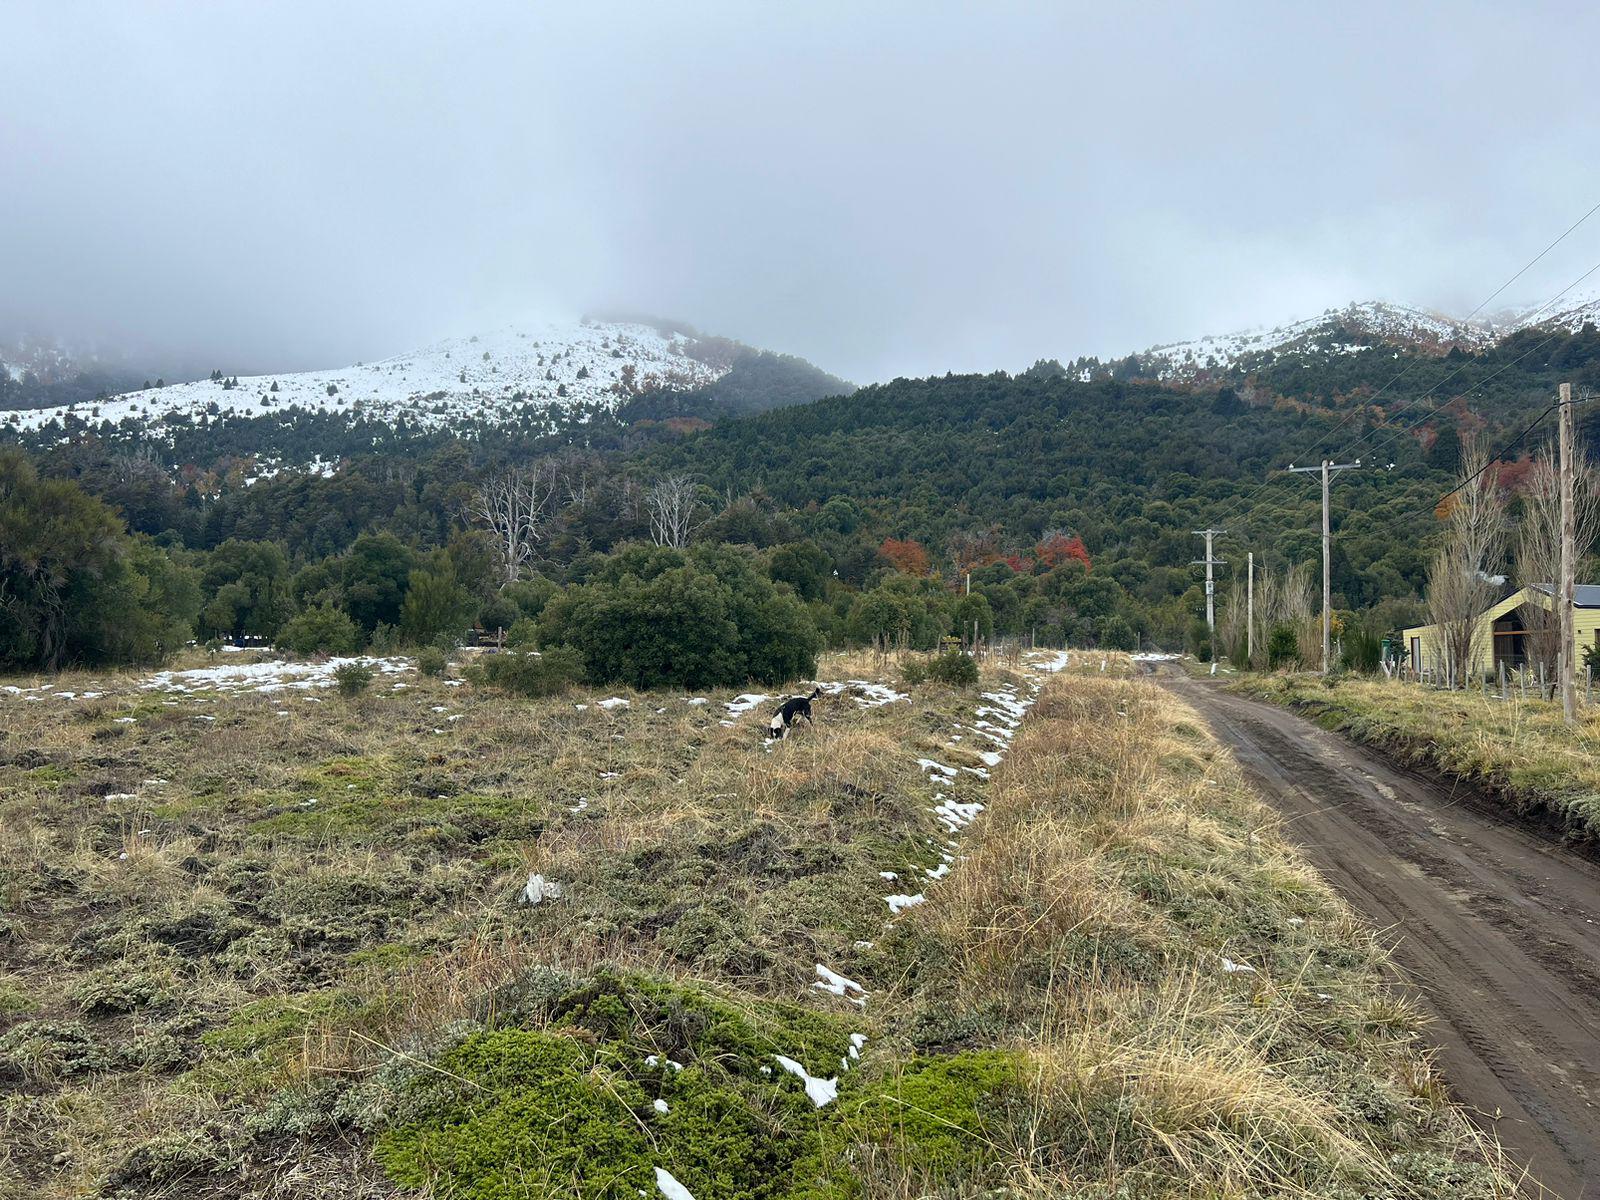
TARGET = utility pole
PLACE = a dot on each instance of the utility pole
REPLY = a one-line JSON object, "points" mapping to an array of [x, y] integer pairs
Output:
{"points": [[1569, 466], [1327, 468], [1210, 561], [1250, 606]]}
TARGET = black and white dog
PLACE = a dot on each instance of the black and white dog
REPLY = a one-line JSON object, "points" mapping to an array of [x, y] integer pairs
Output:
{"points": [[790, 711]]}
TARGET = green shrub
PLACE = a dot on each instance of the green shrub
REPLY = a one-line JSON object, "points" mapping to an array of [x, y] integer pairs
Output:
{"points": [[1117, 634], [653, 617], [914, 671], [529, 673], [50, 1050], [1363, 649], [1283, 648], [435, 604], [321, 629], [523, 634], [431, 661], [353, 678], [115, 992], [954, 668]]}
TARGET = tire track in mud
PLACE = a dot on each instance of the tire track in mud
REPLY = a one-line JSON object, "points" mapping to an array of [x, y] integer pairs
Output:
{"points": [[1497, 929]]}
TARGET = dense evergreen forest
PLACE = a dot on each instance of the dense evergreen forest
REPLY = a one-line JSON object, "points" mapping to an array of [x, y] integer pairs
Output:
{"points": [[1068, 495]]}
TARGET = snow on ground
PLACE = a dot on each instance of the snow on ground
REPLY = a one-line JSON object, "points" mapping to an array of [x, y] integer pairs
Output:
{"points": [[669, 1187], [838, 985], [821, 1091], [1374, 319], [271, 676], [546, 366], [743, 704], [955, 814], [867, 695]]}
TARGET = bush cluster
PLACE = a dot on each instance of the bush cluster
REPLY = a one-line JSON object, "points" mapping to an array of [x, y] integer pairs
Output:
{"points": [[529, 672]]}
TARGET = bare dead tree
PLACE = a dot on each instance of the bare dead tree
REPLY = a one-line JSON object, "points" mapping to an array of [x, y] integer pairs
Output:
{"points": [[1230, 624], [1285, 599], [671, 502], [1462, 579], [516, 506], [1539, 547]]}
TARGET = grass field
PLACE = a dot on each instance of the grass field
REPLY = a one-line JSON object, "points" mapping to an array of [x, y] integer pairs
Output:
{"points": [[279, 943], [1518, 750]]}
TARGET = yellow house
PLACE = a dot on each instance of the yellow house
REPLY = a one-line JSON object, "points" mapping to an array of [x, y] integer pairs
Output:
{"points": [[1503, 634]]}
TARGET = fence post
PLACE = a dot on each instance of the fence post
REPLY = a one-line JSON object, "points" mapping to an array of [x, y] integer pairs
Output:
{"points": [[1502, 668]]}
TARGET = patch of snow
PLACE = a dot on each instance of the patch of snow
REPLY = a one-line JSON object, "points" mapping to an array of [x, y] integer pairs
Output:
{"points": [[271, 676], [744, 703], [699, 700], [539, 889], [612, 702], [899, 903], [659, 1105], [956, 815], [669, 1187], [928, 764], [820, 1091], [864, 693], [836, 984], [1236, 968]]}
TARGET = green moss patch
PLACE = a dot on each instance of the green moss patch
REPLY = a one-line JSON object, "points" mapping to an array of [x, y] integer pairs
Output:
{"points": [[626, 1074]]}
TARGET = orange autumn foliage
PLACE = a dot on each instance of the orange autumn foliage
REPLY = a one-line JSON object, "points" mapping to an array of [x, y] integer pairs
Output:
{"points": [[908, 557]]}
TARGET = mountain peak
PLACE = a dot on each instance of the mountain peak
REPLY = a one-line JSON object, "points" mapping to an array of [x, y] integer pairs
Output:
{"points": [[1360, 326], [560, 367]]}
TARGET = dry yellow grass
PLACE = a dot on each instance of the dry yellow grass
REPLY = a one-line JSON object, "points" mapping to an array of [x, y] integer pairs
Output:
{"points": [[1122, 861]]}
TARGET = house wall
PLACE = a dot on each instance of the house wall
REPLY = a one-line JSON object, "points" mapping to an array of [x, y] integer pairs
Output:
{"points": [[1586, 632]]}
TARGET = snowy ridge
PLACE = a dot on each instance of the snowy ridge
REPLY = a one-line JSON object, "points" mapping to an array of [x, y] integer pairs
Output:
{"points": [[1361, 326], [1333, 332], [560, 368]]}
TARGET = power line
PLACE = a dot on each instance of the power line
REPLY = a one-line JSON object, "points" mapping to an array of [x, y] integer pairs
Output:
{"points": [[1526, 267], [1239, 502], [1435, 408], [1476, 387], [1494, 458]]}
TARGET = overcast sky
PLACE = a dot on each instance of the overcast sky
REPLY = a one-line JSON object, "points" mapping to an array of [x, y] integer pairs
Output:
{"points": [[884, 188]]}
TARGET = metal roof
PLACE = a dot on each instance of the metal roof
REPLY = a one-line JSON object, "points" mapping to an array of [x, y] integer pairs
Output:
{"points": [[1584, 595]]}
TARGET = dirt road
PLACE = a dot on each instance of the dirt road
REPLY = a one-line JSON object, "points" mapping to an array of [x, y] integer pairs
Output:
{"points": [[1498, 929]]}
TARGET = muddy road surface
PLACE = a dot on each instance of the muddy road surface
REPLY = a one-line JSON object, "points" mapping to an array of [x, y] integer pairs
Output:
{"points": [[1498, 929]]}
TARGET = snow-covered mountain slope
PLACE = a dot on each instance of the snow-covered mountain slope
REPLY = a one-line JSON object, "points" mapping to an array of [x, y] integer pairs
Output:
{"points": [[571, 368], [1360, 326], [1341, 330]]}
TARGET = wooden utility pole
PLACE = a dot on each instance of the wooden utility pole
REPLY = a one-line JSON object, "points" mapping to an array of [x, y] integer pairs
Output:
{"points": [[1211, 587], [1567, 597], [1250, 606], [1327, 468]]}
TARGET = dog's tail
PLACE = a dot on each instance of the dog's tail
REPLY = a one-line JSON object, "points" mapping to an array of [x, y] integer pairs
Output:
{"points": [[815, 693]]}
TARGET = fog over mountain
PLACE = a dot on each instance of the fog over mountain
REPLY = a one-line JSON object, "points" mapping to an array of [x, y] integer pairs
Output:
{"points": [[894, 189]]}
